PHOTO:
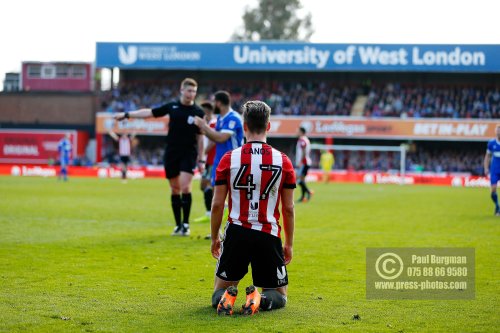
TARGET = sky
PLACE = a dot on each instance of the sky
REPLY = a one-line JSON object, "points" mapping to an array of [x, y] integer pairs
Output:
{"points": [[67, 30]]}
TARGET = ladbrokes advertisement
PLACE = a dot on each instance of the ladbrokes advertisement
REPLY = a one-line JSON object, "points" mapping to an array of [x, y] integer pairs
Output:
{"points": [[385, 129], [338, 127], [152, 126]]}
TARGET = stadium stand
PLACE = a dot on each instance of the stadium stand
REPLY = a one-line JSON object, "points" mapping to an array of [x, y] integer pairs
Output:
{"points": [[303, 98], [426, 159], [327, 98], [396, 100], [423, 161]]}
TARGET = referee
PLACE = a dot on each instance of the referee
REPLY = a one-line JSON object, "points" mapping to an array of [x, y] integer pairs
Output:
{"points": [[184, 149]]}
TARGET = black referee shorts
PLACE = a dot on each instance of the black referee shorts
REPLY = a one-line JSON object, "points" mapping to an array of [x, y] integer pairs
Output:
{"points": [[177, 160], [264, 252]]}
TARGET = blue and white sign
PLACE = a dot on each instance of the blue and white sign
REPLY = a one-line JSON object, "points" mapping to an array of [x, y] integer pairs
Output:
{"points": [[300, 56]]}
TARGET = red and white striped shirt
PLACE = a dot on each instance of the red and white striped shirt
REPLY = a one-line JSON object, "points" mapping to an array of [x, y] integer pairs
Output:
{"points": [[124, 145], [211, 152], [256, 174], [303, 151]]}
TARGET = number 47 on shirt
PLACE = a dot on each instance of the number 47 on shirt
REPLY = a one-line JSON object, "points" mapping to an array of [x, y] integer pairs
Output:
{"points": [[250, 186]]}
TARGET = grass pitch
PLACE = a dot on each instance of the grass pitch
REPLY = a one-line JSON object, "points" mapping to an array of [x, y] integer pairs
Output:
{"points": [[95, 255]]}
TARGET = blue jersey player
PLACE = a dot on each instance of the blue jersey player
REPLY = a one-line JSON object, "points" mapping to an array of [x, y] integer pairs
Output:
{"points": [[493, 169], [228, 132], [64, 148]]}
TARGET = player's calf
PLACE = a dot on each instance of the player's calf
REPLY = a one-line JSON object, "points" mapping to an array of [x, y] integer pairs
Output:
{"points": [[272, 299]]}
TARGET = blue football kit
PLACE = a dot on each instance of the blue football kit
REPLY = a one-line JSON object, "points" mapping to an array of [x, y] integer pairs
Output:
{"points": [[64, 148], [230, 123], [494, 150]]}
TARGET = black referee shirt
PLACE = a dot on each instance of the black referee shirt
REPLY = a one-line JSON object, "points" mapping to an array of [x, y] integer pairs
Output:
{"points": [[181, 128]]}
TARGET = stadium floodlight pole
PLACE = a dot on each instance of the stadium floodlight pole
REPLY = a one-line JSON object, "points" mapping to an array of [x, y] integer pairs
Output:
{"points": [[401, 149]]}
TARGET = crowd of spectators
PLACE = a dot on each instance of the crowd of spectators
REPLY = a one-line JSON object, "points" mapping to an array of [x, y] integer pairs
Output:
{"points": [[144, 152], [290, 98], [330, 98], [295, 98], [396, 100], [446, 161], [324, 98], [421, 161], [133, 96]]}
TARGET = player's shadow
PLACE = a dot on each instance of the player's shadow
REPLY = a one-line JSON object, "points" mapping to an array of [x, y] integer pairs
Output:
{"points": [[210, 314], [154, 238], [206, 310]]}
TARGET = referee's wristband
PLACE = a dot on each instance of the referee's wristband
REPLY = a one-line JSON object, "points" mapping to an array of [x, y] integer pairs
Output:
{"points": [[127, 115]]}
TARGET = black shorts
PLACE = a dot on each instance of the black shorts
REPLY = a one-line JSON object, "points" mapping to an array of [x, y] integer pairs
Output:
{"points": [[303, 170], [125, 159], [177, 160], [241, 247]]}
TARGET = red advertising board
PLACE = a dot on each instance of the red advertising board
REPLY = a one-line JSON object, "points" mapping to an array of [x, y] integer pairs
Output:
{"points": [[366, 177], [37, 146]]}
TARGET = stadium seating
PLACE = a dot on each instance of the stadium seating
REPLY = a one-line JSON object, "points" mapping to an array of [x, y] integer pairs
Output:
{"points": [[423, 160], [395, 100], [327, 98]]}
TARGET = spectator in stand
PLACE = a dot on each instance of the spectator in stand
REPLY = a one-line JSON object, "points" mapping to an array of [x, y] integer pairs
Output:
{"points": [[393, 100], [327, 98], [424, 159]]}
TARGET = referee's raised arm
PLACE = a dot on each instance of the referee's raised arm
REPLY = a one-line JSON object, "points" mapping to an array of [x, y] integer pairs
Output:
{"points": [[141, 113]]}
